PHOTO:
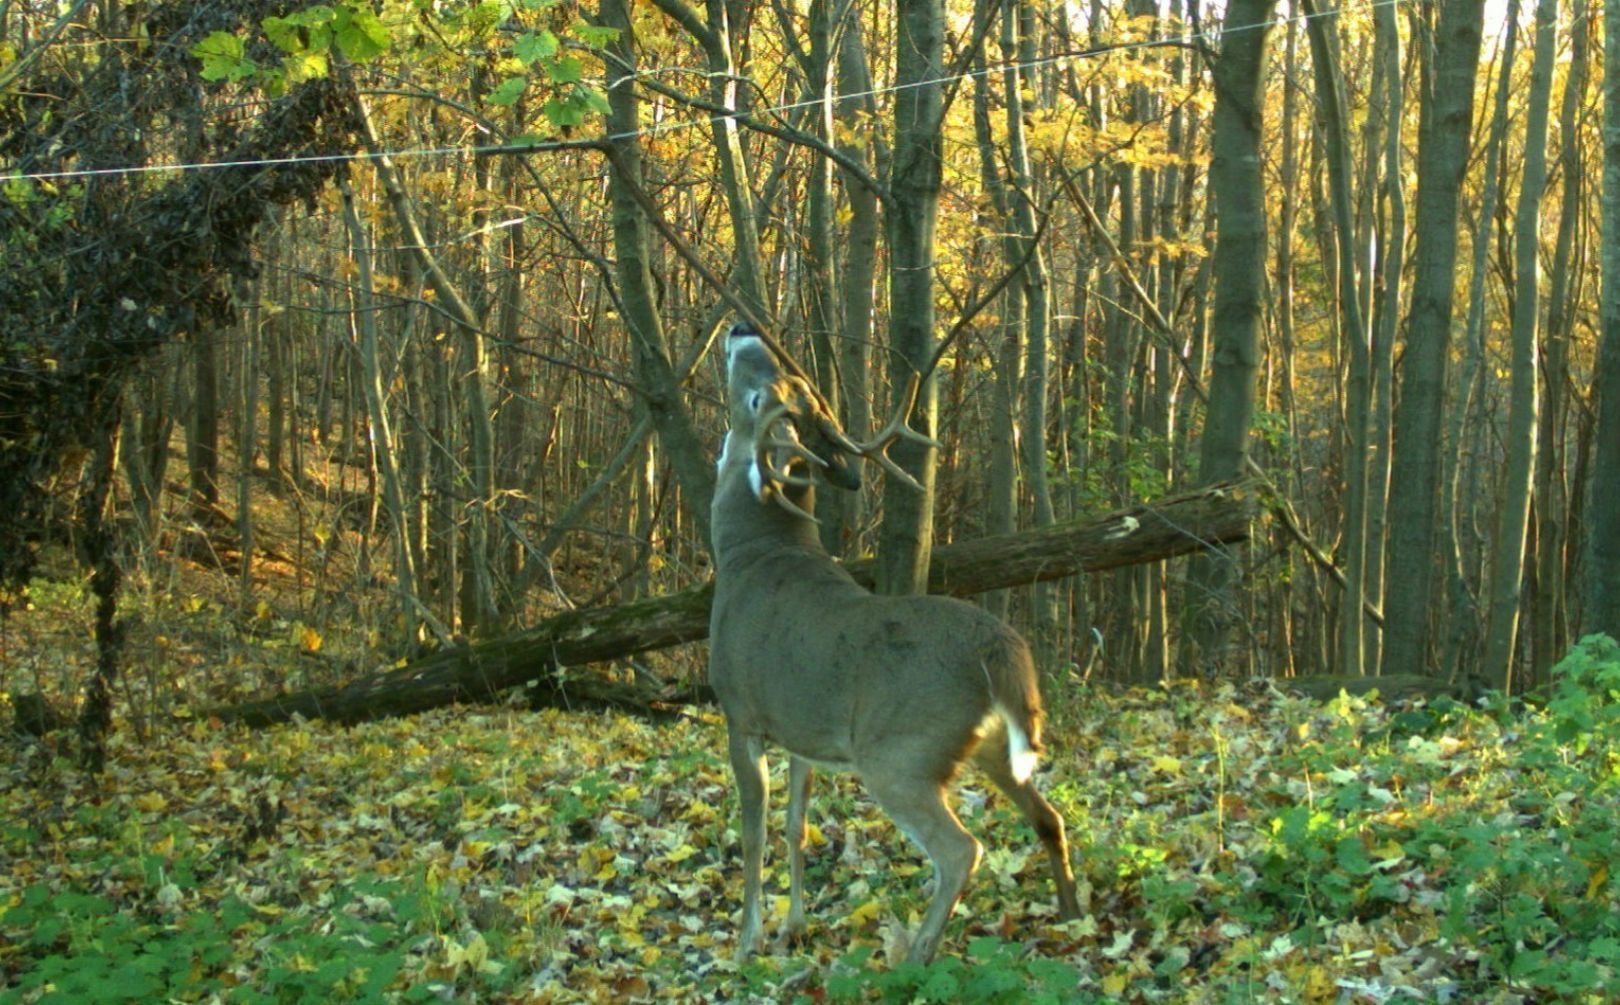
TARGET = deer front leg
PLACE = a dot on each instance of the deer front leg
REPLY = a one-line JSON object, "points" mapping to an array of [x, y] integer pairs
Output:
{"points": [[800, 772], [753, 788]]}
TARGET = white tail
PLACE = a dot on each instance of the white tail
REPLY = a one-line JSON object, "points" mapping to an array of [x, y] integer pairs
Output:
{"points": [[901, 690]]}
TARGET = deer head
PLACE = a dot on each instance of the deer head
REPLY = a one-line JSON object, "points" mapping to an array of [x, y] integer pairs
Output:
{"points": [[902, 690]]}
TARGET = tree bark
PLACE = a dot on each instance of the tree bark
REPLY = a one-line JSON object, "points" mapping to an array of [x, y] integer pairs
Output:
{"points": [[1240, 257], [906, 538], [659, 383], [1447, 119], [1602, 612], [1524, 405], [480, 672], [1465, 427], [1549, 620], [1336, 134]]}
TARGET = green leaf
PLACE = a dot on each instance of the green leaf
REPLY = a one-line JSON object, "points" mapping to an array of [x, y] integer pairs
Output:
{"points": [[222, 56], [508, 91], [564, 114], [595, 36], [533, 46], [304, 66], [595, 100], [285, 33], [360, 34], [565, 70]]}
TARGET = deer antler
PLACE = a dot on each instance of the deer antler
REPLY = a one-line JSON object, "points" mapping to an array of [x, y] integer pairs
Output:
{"points": [[775, 432], [895, 429]]}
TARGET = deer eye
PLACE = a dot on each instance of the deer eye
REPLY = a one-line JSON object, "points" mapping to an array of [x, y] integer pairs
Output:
{"points": [[753, 401]]}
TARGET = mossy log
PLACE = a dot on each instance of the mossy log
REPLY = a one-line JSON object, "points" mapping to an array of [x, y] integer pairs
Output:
{"points": [[484, 669]]}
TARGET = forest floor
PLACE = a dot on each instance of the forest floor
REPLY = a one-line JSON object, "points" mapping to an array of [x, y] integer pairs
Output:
{"points": [[1232, 843]]}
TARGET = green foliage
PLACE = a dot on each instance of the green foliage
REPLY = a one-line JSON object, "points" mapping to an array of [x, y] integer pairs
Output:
{"points": [[991, 972], [306, 40]]}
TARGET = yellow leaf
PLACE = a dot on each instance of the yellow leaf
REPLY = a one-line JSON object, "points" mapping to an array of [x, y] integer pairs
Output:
{"points": [[151, 802], [865, 913], [1167, 765], [1114, 984], [1600, 876], [307, 638]]}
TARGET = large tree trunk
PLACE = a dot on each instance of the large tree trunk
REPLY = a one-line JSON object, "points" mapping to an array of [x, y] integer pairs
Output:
{"points": [[1602, 613], [1447, 120], [480, 672], [1240, 257], [906, 537], [1459, 623]]}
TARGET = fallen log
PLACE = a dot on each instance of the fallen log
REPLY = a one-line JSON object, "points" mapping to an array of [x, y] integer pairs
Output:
{"points": [[485, 669]]}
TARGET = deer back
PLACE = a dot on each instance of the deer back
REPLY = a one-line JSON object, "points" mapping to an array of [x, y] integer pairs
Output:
{"points": [[802, 655]]}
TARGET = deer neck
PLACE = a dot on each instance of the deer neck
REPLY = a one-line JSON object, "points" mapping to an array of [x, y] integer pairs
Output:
{"points": [[746, 527]]}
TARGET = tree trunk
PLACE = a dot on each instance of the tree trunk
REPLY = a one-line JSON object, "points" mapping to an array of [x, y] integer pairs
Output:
{"points": [[480, 672], [1508, 561], [1465, 426], [1602, 612], [906, 538], [656, 377], [858, 278], [1386, 312], [1336, 135], [381, 438], [1550, 618], [1240, 254], [1447, 112]]}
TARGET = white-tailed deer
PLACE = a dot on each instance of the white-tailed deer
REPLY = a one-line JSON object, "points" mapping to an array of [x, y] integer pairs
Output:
{"points": [[900, 690]]}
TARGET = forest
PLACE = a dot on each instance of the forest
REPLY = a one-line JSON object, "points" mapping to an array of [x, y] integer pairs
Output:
{"points": [[363, 376]]}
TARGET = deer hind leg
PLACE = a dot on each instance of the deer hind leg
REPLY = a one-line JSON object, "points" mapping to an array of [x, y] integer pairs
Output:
{"points": [[918, 806], [992, 757], [800, 773], [753, 789]]}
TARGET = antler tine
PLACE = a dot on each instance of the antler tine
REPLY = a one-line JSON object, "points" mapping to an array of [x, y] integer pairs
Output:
{"points": [[896, 429], [772, 478]]}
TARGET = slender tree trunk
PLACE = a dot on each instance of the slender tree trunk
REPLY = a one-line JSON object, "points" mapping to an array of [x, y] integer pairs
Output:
{"points": [[1602, 610], [1240, 252], [858, 278], [202, 432], [907, 536], [1018, 47], [1387, 301], [1353, 328], [1283, 284], [247, 433], [1001, 510], [1550, 620], [820, 254], [657, 380], [1459, 616], [1447, 113], [382, 439], [1508, 562]]}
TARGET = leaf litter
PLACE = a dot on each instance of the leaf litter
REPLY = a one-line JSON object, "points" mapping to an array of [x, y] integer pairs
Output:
{"points": [[1231, 843]]}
